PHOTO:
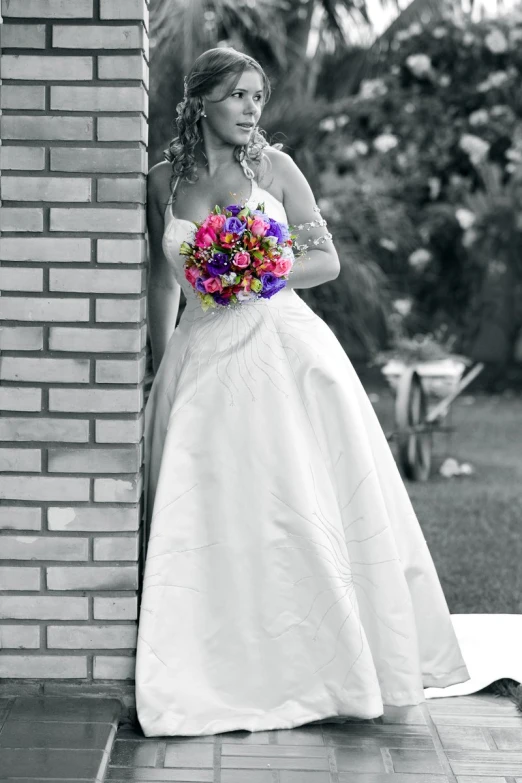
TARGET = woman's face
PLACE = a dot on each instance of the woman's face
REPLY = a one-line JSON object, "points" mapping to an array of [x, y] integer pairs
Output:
{"points": [[234, 118]]}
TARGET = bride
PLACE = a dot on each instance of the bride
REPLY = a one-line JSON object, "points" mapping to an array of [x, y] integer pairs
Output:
{"points": [[287, 578]]}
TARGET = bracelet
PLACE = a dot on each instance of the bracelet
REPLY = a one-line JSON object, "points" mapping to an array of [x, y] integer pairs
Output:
{"points": [[320, 240]]}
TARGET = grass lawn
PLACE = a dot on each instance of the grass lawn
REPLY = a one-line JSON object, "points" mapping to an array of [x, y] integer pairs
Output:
{"points": [[473, 524]]}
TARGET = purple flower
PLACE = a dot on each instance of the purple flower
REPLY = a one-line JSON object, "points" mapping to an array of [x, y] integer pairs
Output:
{"points": [[199, 285], [219, 264], [234, 225], [271, 285], [234, 208], [277, 230], [220, 299]]}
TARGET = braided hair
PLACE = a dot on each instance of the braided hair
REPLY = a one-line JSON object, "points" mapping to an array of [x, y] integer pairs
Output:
{"points": [[208, 71]]}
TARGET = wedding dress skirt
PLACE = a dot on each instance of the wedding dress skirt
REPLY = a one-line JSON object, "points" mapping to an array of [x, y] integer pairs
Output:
{"points": [[287, 577]]}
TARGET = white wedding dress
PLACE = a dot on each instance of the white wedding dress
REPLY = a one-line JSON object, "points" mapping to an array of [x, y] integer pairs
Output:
{"points": [[287, 577]]}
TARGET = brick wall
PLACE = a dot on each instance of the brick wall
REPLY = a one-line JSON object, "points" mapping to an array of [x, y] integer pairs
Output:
{"points": [[74, 103]]}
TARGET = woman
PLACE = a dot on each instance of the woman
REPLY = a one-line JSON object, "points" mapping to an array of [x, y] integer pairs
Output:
{"points": [[287, 578]]}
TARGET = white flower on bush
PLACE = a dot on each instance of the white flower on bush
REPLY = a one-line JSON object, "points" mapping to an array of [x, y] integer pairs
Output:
{"points": [[385, 142], [402, 35], [514, 154], [419, 64], [515, 35], [347, 153], [445, 80], [496, 41], [469, 237], [372, 88], [328, 124], [388, 244], [409, 108], [361, 147], [435, 186], [495, 79], [439, 32], [465, 218], [403, 306], [468, 39], [502, 110], [420, 259], [479, 117], [342, 120], [415, 28], [475, 147], [496, 268]]}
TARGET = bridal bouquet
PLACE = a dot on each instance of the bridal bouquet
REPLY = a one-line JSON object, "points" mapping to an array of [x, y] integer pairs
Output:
{"points": [[238, 255]]}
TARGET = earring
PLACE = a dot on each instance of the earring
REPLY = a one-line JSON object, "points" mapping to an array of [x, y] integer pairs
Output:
{"points": [[203, 114]]}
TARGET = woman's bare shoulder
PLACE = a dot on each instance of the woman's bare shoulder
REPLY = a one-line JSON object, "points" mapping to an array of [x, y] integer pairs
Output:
{"points": [[274, 170], [159, 177]]}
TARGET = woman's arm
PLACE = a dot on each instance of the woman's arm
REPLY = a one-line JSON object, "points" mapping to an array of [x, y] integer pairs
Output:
{"points": [[163, 290], [320, 263]]}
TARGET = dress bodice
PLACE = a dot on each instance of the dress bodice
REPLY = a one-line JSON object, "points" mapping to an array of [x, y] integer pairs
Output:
{"points": [[178, 230]]}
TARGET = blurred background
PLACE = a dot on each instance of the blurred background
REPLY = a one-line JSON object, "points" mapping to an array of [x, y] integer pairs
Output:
{"points": [[406, 118]]}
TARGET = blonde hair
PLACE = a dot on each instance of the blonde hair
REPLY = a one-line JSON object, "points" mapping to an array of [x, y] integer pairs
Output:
{"points": [[209, 71]]}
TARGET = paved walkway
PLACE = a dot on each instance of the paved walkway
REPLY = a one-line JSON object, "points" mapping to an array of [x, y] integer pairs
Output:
{"points": [[52, 740], [465, 739]]}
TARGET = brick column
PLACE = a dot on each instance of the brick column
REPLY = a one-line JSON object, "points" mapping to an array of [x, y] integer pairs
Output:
{"points": [[74, 160]]}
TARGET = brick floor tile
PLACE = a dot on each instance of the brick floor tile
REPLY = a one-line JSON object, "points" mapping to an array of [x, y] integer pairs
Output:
{"points": [[479, 779], [24, 734], [184, 754], [253, 776], [134, 732], [47, 780], [486, 721], [273, 762], [475, 704], [412, 715], [246, 737], [277, 751], [77, 710], [384, 736], [62, 764], [358, 760], [144, 775], [289, 776], [482, 762], [134, 753], [312, 736], [416, 761], [348, 777], [507, 739], [463, 737]]}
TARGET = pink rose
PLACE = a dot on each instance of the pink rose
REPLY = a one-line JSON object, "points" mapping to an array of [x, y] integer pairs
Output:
{"points": [[212, 285], [205, 236], [282, 266], [258, 227], [216, 222], [192, 273], [242, 260]]}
